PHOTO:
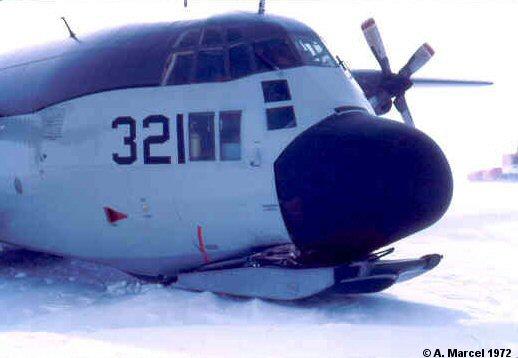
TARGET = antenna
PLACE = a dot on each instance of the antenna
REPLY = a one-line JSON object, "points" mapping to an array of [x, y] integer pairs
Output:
{"points": [[70, 32], [261, 7], [341, 63]]}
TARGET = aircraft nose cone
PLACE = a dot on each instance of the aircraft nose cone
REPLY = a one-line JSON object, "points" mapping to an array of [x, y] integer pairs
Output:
{"points": [[354, 183]]}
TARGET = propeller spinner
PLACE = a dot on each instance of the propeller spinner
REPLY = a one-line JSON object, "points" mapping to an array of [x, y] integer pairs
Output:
{"points": [[392, 86]]}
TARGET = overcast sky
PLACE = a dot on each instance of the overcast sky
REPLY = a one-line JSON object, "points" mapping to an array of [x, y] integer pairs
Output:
{"points": [[472, 39]]}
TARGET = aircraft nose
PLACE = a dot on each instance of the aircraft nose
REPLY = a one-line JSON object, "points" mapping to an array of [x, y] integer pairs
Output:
{"points": [[354, 183]]}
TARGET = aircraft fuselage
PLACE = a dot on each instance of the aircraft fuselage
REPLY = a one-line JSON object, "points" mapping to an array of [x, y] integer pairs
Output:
{"points": [[159, 149]]}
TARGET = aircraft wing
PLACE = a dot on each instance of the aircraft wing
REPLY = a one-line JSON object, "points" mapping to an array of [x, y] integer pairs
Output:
{"points": [[433, 82]]}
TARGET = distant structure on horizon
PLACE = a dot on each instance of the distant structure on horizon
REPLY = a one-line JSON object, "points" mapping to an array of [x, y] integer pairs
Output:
{"points": [[508, 171]]}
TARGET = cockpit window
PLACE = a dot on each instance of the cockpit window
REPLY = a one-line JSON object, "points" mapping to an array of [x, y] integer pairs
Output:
{"points": [[313, 52], [189, 38], [212, 37], [210, 66], [182, 69], [240, 61], [216, 54], [234, 34], [274, 54]]}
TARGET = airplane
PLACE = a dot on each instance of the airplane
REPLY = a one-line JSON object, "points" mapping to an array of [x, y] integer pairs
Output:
{"points": [[232, 154]]}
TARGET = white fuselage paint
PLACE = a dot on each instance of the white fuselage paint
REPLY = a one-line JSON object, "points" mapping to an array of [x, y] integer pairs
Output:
{"points": [[61, 159]]}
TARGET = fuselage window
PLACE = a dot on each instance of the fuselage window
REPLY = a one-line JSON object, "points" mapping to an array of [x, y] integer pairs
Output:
{"points": [[275, 91], [201, 136], [240, 61], [189, 38], [281, 118], [313, 52], [230, 135], [210, 66], [181, 72], [212, 37], [274, 54]]}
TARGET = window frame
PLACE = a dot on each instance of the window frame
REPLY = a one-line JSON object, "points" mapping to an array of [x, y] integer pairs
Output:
{"points": [[224, 47], [169, 71], [176, 46]]}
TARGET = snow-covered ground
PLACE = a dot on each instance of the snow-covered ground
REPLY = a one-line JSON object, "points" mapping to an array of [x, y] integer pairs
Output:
{"points": [[60, 307]]}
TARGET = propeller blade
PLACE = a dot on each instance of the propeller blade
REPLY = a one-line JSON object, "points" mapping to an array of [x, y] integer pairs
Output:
{"points": [[373, 37], [445, 82], [402, 107], [423, 54]]}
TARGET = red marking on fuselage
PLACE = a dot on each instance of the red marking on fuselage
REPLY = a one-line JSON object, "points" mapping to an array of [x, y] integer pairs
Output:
{"points": [[201, 245], [113, 215]]}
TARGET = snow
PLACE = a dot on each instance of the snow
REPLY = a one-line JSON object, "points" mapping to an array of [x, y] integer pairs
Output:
{"points": [[63, 307]]}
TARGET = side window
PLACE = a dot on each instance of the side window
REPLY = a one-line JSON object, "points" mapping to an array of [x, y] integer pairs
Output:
{"points": [[275, 91], [182, 69], [201, 136], [240, 61], [280, 118], [210, 66], [230, 135], [274, 53]]}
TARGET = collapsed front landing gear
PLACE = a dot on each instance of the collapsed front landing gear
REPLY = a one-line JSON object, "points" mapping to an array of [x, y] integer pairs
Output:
{"points": [[276, 274]]}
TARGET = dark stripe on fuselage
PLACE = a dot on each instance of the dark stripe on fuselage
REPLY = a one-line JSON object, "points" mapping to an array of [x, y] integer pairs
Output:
{"points": [[180, 139], [126, 57]]}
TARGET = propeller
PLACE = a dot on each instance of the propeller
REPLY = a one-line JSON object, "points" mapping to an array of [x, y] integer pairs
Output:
{"points": [[373, 37], [391, 87]]}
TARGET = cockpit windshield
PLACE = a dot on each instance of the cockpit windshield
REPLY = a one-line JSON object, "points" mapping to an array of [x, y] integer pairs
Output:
{"points": [[216, 54], [313, 52], [275, 53]]}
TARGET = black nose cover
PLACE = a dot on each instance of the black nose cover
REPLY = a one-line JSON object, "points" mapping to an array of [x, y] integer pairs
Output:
{"points": [[354, 183]]}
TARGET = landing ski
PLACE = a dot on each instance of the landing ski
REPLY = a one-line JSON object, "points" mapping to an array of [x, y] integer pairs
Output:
{"points": [[280, 277]]}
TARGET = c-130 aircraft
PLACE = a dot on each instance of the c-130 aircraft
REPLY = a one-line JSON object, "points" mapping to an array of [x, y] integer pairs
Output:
{"points": [[232, 154]]}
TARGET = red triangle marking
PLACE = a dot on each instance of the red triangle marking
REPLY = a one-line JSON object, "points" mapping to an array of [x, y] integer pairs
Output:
{"points": [[113, 215]]}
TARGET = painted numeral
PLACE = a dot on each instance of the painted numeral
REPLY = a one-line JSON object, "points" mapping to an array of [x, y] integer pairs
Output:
{"points": [[128, 140], [156, 139]]}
